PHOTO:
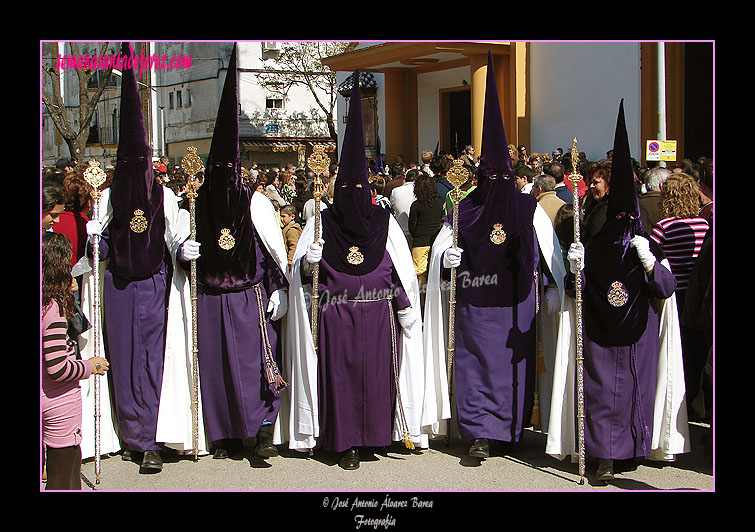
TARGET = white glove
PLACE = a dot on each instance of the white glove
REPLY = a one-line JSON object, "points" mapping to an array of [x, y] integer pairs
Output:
{"points": [[278, 304], [94, 227], [642, 245], [576, 257], [452, 257], [190, 250], [406, 318], [314, 251], [552, 301]]}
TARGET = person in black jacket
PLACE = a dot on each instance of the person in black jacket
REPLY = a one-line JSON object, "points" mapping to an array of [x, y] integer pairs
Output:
{"points": [[425, 220]]}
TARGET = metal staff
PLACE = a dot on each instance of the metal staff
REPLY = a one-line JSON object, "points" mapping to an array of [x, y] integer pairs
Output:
{"points": [[192, 164], [318, 162], [95, 177], [575, 178], [457, 176]]}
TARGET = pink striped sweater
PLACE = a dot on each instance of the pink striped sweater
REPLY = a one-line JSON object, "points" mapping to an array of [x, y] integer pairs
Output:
{"points": [[61, 370], [681, 240]]}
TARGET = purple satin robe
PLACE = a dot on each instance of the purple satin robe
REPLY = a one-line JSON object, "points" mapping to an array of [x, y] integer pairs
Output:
{"points": [[356, 386], [236, 397], [620, 383], [135, 315], [494, 359]]}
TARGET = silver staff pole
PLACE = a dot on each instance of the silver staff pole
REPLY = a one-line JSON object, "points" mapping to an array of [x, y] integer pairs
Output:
{"points": [[192, 164], [95, 177], [457, 176], [575, 178], [318, 162]]}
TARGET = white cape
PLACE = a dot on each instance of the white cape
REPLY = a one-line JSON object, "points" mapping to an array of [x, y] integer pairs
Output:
{"points": [[670, 428], [436, 299], [298, 422]]}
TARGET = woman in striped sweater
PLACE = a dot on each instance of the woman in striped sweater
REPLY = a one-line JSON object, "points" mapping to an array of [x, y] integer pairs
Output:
{"points": [[61, 371], [681, 232]]}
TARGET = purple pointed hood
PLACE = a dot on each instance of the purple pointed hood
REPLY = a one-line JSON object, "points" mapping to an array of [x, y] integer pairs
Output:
{"points": [[224, 221], [137, 230], [616, 305], [496, 205], [353, 221]]}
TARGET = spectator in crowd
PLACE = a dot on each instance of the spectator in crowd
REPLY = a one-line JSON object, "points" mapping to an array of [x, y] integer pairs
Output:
{"points": [[544, 189], [53, 203], [61, 407], [650, 202], [291, 230], [425, 220], [440, 167], [272, 187], [681, 232], [402, 198], [377, 185]]}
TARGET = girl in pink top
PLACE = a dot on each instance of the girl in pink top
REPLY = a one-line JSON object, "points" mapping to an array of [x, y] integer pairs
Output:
{"points": [[61, 371], [681, 232]]}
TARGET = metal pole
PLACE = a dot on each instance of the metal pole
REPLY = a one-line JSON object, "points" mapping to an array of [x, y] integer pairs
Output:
{"points": [[661, 95], [457, 176], [95, 176], [192, 164], [575, 177], [318, 162]]}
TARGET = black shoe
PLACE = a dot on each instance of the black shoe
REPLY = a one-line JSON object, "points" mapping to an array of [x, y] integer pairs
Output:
{"points": [[480, 448], [605, 470], [226, 448], [152, 462], [127, 455], [265, 447], [350, 459]]}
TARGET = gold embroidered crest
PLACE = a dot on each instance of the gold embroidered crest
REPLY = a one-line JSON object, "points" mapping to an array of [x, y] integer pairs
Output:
{"points": [[138, 223], [497, 235], [354, 256], [226, 241], [617, 294]]}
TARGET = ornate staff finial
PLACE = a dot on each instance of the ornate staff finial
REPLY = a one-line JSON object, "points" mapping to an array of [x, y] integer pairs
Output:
{"points": [[192, 165], [457, 175], [318, 162], [575, 176], [95, 176]]}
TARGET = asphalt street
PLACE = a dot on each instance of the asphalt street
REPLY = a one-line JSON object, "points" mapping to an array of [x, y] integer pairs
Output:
{"points": [[444, 467], [395, 488]]}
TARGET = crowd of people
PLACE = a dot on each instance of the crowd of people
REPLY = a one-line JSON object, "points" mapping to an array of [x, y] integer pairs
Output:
{"points": [[399, 216]]}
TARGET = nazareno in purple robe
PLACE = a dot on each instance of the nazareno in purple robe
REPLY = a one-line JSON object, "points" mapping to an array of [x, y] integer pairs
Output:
{"points": [[620, 333], [236, 397], [356, 380], [135, 289]]}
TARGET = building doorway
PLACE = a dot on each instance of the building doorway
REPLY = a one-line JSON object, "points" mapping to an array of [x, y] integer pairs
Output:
{"points": [[456, 120], [698, 100]]}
